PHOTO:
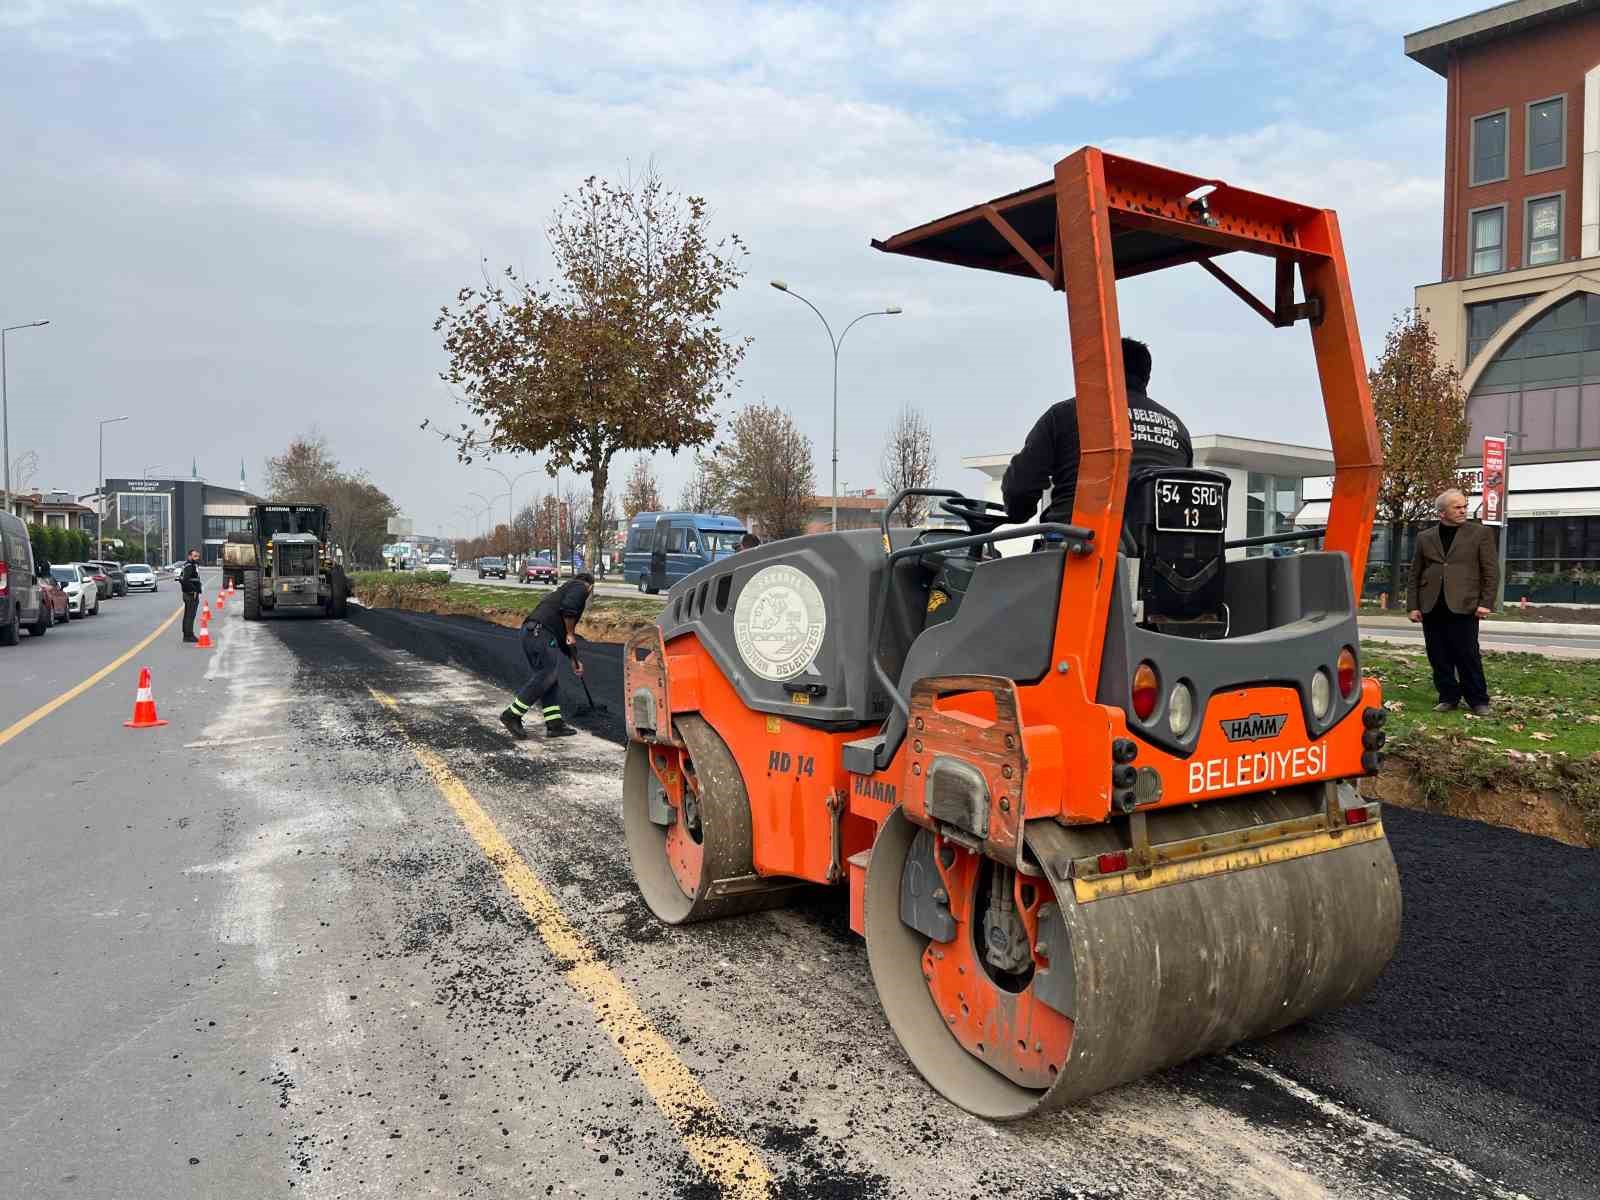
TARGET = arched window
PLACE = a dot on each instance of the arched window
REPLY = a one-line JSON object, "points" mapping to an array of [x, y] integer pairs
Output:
{"points": [[1545, 382]]}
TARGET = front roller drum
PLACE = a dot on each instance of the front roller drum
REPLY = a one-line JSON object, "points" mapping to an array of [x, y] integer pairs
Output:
{"points": [[1012, 997], [686, 816]]}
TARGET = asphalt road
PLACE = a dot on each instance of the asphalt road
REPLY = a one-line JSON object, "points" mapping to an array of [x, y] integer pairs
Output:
{"points": [[331, 932]]}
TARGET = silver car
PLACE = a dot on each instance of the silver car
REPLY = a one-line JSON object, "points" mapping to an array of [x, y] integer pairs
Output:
{"points": [[140, 576], [77, 581]]}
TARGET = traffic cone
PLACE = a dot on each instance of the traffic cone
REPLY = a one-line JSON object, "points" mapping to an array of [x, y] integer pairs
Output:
{"points": [[220, 597], [205, 612], [205, 636], [144, 705]]}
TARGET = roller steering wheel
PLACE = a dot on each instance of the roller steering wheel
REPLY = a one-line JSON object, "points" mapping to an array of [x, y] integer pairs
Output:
{"points": [[980, 516]]}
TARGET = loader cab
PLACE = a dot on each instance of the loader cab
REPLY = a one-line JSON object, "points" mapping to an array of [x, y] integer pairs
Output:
{"points": [[663, 548]]}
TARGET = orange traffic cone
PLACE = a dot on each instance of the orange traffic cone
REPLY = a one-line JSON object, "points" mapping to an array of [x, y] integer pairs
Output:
{"points": [[205, 636], [220, 597], [144, 705], [205, 611]]}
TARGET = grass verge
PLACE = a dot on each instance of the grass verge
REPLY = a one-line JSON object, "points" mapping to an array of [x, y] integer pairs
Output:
{"points": [[607, 618], [1541, 745]]}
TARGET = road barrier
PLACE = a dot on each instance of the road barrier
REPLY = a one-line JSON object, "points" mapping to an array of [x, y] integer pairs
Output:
{"points": [[144, 705]]}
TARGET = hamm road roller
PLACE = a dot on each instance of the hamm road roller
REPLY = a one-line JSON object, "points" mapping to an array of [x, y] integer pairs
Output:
{"points": [[1097, 803]]}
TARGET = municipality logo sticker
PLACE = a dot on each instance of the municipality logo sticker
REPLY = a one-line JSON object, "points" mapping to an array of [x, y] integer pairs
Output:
{"points": [[778, 622]]}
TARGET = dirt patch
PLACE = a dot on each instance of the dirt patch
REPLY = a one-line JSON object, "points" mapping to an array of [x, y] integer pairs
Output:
{"points": [[1544, 814], [597, 625]]}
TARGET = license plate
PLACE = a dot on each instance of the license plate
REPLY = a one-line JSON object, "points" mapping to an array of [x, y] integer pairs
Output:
{"points": [[1189, 506]]}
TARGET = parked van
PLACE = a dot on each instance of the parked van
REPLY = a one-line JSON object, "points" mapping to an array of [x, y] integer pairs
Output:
{"points": [[22, 603], [664, 547]]}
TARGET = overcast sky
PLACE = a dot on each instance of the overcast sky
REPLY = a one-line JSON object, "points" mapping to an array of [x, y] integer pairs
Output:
{"points": [[241, 222]]}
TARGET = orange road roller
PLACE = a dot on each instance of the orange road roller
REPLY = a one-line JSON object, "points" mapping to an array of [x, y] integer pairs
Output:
{"points": [[1097, 802]]}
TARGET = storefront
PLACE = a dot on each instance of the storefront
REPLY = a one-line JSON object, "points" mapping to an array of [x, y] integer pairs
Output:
{"points": [[171, 516]]}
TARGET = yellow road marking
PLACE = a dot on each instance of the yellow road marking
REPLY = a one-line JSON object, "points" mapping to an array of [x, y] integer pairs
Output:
{"points": [[728, 1161], [44, 710]]}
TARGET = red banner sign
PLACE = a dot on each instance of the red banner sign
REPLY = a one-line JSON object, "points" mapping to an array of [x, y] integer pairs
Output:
{"points": [[1494, 481]]}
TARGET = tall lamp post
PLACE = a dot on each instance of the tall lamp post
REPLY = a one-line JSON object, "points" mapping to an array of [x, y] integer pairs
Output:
{"points": [[487, 505], [511, 487], [891, 310], [100, 484], [5, 412]]}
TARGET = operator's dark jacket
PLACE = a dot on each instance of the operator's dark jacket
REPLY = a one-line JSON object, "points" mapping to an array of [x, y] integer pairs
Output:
{"points": [[189, 579], [568, 600], [1469, 576], [1049, 458]]}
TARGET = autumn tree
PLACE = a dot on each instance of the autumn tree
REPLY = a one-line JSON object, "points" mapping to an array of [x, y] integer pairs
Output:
{"points": [[763, 468], [620, 350], [1422, 426], [641, 493], [909, 460], [702, 493], [358, 510]]}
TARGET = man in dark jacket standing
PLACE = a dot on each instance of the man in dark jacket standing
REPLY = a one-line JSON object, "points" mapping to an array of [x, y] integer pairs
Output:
{"points": [[549, 631], [1049, 458], [189, 582], [1455, 577]]}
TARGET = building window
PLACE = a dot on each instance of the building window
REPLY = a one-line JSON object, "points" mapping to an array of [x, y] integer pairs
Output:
{"points": [[1484, 321], [1545, 382], [218, 528], [1271, 502], [1488, 240], [1547, 134], [1489, 148], [1544, 230]]}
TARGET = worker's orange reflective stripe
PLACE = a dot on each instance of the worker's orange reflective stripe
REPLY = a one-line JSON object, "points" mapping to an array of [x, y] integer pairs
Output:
{"points": [[729, 1162]]}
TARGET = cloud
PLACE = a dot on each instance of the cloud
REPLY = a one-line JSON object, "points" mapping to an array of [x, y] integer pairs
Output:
{"points": [[268, 205]]}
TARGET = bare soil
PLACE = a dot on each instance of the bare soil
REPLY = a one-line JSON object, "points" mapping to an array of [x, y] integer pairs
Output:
{"points": [[1544, 814]]}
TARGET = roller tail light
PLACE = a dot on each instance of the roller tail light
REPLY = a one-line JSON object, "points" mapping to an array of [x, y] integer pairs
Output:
{"points": [[1347, 672], [1146, 690]]}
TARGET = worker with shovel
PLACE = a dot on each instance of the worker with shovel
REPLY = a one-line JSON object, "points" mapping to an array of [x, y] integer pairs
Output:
{"points": [[549, 630]]}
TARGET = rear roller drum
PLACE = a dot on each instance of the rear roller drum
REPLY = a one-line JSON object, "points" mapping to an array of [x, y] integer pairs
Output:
{"points": [[1012, 998], [687, 820]]}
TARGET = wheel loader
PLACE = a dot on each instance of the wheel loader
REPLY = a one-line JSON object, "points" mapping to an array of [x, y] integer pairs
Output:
{"points": [[287, 565], [1098, 805]]}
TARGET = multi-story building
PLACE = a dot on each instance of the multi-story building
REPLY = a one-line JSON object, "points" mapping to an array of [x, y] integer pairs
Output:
{"points": [[1517, 304], [175, 515]]}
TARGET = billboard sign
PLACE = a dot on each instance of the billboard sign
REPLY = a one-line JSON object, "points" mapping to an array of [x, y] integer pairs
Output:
{"points": [[1494, 481], [400, 527]]}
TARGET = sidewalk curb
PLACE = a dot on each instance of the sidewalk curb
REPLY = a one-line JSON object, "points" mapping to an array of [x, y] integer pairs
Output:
{"points": [[1527, 628]]}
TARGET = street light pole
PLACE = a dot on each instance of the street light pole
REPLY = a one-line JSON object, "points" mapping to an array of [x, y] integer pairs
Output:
{"points": [[511, 486], [100, 485], [888, 311], [5, 412]]}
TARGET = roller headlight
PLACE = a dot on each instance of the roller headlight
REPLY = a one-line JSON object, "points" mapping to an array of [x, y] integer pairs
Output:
{"points": [[1321, 694], [1180, 709]]}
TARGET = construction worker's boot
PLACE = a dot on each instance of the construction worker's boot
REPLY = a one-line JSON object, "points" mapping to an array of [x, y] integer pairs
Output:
{"points": [[556, 727], [513, 724]]}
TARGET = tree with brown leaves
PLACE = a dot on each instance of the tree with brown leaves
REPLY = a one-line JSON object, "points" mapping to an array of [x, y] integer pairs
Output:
{"points": [[764, 470], [702, 493], [620, 350], [641, 493], [1422, 426], [909, 461]]}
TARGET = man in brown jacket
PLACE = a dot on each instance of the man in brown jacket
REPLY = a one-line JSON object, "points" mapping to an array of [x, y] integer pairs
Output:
{"points": [[1455, 577]]}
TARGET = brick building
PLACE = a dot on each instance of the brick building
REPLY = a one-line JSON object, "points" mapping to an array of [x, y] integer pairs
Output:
{"points": [[1517, 303]]}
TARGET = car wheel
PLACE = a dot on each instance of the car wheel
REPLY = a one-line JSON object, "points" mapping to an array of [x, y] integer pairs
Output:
{"points": [[46, 619], [95, 611]]}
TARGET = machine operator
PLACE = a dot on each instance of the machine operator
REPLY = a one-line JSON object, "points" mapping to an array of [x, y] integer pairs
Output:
{"points": [[549, 631], [1049, 458]]}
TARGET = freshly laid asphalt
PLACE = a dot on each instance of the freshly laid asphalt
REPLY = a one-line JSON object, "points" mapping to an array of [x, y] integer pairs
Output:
{"points": [[256, 952]]}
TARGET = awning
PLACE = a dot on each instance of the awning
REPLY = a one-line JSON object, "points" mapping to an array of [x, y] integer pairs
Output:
{"points": [[1527, 504]]}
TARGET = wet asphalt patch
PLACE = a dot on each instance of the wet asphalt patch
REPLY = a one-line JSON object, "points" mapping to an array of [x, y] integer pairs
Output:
{"points": [[1482, 905]]}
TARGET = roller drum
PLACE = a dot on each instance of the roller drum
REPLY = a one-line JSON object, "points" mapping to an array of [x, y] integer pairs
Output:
{"points": [[726, 882], [1155, 977]]}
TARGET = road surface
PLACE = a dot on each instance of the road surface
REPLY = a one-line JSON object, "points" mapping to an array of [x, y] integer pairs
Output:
{"points": [[331, 933]]}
